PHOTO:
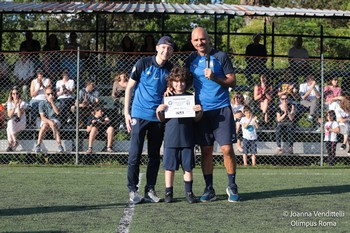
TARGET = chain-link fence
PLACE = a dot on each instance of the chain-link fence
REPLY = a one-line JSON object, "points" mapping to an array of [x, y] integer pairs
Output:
{"points": [[290, 131]]}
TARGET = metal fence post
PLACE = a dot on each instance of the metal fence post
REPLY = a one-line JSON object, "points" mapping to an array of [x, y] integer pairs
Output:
{"points": [[77, 112], [322, 110]]}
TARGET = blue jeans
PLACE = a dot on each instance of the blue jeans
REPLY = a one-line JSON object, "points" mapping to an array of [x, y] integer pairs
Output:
{"points": [[34, 110], [155, 133]]}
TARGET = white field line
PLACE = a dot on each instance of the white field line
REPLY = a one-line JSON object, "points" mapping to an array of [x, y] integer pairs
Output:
{"points": [[125, 221]]}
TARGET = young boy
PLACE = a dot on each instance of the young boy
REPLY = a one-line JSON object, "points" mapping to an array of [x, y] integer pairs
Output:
{"points": [[178, 138], [249, 125], [99, 123]]}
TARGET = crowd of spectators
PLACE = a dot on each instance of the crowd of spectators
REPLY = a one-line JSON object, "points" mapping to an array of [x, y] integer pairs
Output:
{"points": [[32, 75]]}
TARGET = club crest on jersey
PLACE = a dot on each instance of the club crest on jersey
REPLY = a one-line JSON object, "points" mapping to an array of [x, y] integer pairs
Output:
{"points": [[133, 121]]}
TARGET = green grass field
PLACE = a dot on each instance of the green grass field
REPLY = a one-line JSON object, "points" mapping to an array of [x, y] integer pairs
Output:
{"points": [[94, 199]]}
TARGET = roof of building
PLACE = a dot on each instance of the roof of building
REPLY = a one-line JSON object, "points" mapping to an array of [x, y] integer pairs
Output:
{"points": [[167, 8]]}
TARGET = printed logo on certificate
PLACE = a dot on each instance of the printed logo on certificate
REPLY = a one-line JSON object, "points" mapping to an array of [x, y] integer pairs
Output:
{"points": [[179, 106]]}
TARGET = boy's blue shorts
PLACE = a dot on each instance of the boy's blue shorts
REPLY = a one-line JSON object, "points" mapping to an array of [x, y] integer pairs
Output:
{"points": [[249, 146], [173, 157]]}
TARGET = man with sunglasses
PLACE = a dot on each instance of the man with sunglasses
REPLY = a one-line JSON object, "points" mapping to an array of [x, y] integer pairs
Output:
{"points": [[49, 114]]}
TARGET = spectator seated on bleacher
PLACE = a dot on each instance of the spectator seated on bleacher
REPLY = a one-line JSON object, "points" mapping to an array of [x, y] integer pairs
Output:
{"points": [[65, 88], [331, 93], [49, 115], [99, 124], [23, 73], [17, 118], [288, 87], [342, 112], [37, 93], [52, 57], [285, 125], [256, 58], [263, 96], [298, 56], [310, 97], [118, 94], [88, 98]]}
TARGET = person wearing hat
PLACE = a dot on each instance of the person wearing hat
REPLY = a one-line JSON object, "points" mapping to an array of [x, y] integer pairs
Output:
{"points": [[213, 74], [37, 93], [148, 83], [255, 58]]}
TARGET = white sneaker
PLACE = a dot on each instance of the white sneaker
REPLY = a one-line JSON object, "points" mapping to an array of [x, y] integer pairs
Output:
{"points": [[135, 197], [151, 196]]}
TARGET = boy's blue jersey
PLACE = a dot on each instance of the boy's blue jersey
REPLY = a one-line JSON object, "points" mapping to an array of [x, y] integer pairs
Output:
{"points": [[150, 87], [208, 93]]}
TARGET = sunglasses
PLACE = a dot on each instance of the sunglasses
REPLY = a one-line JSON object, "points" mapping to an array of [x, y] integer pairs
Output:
{"points": [[49, 93], [14, 93], [283, 99]]}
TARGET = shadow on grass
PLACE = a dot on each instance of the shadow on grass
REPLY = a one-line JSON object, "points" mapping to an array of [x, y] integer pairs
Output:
{"points": [[325, 190], [54, 209], [309, 191]]}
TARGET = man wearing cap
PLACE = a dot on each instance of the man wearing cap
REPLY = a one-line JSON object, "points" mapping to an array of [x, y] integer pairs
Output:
{"points": [[255, 58], [213, 74], [37, 93], [148, 83]]}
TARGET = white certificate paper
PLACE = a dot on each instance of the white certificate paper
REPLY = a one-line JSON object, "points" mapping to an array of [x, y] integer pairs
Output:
{"points": [[179, 106]]}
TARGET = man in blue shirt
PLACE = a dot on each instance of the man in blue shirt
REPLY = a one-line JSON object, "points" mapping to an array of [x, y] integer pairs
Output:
{"points": [[49, 112], [148, 83], [213, 74]]}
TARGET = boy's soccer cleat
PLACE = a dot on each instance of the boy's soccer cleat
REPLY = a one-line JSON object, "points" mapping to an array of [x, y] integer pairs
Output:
{"points": [[135, 197], [208, 195], [191, 198], [232, 194], [168, 197], [151, 196]]}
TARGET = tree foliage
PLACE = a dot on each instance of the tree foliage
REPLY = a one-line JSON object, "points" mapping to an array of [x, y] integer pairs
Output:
{"points": [[137, 26]]}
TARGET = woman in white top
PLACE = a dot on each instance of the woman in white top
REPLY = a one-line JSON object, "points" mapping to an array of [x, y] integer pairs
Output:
{"points": [[17, 122], [65, 88], [37, 93]]}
